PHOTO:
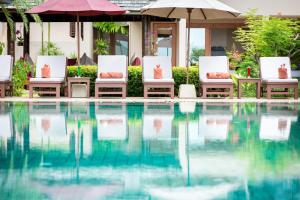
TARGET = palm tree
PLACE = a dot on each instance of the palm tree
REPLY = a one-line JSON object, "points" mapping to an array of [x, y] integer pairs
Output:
{"points": [[20, 6]]}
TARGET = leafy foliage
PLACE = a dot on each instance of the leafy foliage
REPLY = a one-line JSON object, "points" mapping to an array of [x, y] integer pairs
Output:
{"points": [[111, 27], [2, 46], [21, 6], [196, 53], [101, 47], [269, 36], [50, 49], [19, 77]]}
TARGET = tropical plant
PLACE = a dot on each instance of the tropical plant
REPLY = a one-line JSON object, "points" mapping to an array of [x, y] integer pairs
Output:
{"points": [[101, 47], [21, 6], [196, 53], [269, 36], [2, 46], [51, 49], [111, 27], [19, 77], [73, 55]]}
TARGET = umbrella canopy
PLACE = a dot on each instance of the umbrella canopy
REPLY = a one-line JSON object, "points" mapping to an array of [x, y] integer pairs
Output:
{"points": [[200, 9], [190, 9], [77, 8]]}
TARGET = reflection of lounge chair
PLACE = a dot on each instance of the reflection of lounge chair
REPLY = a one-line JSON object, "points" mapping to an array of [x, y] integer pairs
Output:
{"points": [[157, 122], [49, 125], [163, 86], [6, 63], [6, 126], [57, 66], [111, 64], [276, 127], [112, 122], [214, 124], [270, 77], [213, 86]]}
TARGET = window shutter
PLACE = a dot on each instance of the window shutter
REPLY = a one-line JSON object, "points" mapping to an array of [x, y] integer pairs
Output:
{"points": [[72, 29]]}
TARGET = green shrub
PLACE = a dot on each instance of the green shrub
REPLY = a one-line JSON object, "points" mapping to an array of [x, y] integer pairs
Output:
{"points": [[19, 76], [135, 83]]}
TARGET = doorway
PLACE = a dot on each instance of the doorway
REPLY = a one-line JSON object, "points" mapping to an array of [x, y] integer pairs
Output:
{"points": [[164, 40]]}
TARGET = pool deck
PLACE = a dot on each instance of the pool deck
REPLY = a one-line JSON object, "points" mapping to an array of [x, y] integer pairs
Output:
{"points": [[142, 100]]}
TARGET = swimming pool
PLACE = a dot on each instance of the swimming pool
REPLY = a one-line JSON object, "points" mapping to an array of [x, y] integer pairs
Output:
{"points": [[149, 151]]}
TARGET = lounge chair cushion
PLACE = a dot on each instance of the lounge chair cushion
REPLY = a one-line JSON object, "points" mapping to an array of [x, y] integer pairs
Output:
{"points": [[57, 64], [209, 64], [6, 62], [149, 62], [219, 81], [112, 63], [164, 80], [44, 80], [4, 79], [290, 80], [111, 80], [111, 75], [218, 75]]}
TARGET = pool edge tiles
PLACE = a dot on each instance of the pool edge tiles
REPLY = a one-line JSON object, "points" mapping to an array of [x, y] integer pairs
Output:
{"points": [[142, 100]]}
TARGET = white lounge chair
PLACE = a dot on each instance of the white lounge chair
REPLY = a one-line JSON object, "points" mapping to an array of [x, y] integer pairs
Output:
{"points": [[157, 122], [57, 75], [270, 77], [154, 86], [111, 63], [6, 63], [112, 122], [6, 130], [214, 64]]}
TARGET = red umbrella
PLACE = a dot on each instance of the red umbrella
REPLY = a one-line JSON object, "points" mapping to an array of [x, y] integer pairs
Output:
{"points": [[77, 8]]}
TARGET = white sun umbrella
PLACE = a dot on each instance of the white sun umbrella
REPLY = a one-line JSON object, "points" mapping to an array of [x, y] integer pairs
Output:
{"points": [[190, 9]]}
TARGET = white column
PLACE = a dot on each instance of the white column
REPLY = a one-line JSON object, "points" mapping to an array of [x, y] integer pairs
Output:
{"points": [[181, 41]]}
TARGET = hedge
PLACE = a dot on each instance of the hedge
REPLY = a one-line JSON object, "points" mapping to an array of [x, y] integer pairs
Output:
{"points": [[135, 83]]}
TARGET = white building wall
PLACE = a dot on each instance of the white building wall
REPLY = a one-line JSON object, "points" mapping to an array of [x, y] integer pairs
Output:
{"points": [[60, 35], [135, 40]]}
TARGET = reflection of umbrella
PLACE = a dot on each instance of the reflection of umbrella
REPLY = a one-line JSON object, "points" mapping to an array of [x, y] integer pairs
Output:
{"points": [[78, 8], [190, 9], [187, 107]]}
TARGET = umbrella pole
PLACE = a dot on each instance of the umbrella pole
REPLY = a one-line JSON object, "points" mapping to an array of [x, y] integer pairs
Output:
{"points": [[189, 10], [78, 41]]}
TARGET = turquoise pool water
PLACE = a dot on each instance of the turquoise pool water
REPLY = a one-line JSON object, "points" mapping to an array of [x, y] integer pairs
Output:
{"points": [[149, 151]]}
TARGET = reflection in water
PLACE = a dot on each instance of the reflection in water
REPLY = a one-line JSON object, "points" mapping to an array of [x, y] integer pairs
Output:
{"points": [[157, 151]]}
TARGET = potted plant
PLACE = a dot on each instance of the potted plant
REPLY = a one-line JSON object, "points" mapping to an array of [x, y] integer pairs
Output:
{"points": [[72, 59], [20, 39]]}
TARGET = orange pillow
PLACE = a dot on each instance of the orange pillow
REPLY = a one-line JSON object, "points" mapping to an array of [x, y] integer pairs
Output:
{"points": [[282, 71], [157, 72], [46, 71], [218, 75], [111, 75]]}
